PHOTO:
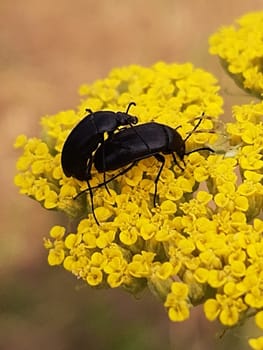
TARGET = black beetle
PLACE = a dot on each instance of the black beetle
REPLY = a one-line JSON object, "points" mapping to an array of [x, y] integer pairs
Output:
{"points": [[142, 141], [84, 139], [76, 157]]}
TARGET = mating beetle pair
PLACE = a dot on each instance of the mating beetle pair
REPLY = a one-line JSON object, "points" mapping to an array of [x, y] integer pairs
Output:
{"points": [[122, 148]]}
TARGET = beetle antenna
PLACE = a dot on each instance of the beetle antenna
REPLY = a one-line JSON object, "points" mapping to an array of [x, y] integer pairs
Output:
{"points": [[129, 106], [195, 127], [88, 110]]}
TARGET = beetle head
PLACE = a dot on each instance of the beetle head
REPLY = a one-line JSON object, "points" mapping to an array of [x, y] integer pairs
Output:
{"points": [[180, 150], [177, 144], [124, 118]]}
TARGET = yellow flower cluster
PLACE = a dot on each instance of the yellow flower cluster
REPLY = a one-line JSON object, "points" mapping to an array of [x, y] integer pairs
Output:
{"points": [[171, 94], [202, 243], [241, 51]]}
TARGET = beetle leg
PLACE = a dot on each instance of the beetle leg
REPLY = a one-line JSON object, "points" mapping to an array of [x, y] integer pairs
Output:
{"points": [[104, 172], [92, 203], [176, 163], [124, 171], [88, 169], [89, 189], [161, 159]]}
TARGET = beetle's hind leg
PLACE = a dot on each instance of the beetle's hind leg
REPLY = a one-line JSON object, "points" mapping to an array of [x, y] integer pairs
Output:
{"points": [[92, 203], [160, 159], [89, 189], [104, 166]]}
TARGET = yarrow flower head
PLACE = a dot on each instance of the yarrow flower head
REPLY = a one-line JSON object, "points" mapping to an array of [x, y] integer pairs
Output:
{"points": [[241, 51], [202, 243]]}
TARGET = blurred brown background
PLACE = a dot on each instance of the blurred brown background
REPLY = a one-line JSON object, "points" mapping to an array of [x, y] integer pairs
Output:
{"points": [[47, 49]]}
